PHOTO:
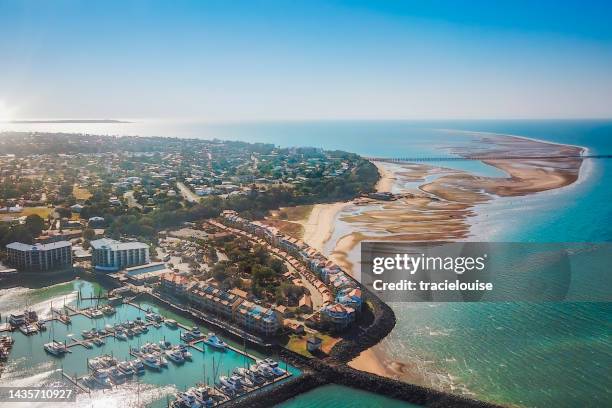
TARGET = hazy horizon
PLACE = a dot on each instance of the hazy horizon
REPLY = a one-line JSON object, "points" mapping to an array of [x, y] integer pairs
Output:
{"points": [[217, 61]]}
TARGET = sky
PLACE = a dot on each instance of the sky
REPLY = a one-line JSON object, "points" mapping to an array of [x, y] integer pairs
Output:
{"points": [[296, 60]]}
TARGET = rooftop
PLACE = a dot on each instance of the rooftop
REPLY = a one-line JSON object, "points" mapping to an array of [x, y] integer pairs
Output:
{"points": [[38, 247], [107, 243]]}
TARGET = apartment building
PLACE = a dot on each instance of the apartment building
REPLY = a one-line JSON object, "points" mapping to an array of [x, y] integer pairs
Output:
{"points": [[215, 300], [258, 318], [338, 313], [109, 255], [40, 257]]}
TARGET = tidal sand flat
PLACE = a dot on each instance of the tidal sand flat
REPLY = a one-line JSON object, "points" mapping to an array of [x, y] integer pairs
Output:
{"points": [[436, 202]]}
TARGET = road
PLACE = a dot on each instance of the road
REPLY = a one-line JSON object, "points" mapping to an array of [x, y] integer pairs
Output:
{"points": [[131, 201], [187, 193]]}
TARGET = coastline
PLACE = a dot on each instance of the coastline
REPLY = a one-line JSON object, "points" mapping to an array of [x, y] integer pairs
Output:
{"points": [[372, 361], [443, 207], [320, 224], [387, 178]]}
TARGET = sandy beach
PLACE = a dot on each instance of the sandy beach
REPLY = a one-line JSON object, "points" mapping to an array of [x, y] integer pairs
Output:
{"points": [[385, 184], [369, 361], [319, 226]]}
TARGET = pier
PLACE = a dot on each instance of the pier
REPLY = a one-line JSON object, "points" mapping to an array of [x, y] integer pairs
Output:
{"points": [[75, 381], [483, 158]]}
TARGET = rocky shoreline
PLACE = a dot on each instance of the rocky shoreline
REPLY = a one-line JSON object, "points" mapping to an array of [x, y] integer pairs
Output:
{"points": [[362, 338]]}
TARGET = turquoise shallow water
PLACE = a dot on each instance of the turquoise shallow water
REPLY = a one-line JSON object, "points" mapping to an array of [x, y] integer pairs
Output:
{"points": [[340, 396], [534, 355], [29, 364]]}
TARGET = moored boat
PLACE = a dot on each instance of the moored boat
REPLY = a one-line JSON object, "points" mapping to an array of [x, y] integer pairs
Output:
{"points": [[28, 329], [214, 341], [186, 400], [55, 348], [102, 378], [138, 366], [88, 334], [279, 372], [126, 368], [108, 310], [263, 370], [117, 376], [175, 356], [151, 361]]}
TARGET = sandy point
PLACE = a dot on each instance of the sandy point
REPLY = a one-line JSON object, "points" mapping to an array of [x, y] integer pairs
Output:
{"points": [[385, 183]]}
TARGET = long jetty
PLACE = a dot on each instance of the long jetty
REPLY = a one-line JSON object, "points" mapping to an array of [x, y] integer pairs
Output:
{"points": [[481, 158]]}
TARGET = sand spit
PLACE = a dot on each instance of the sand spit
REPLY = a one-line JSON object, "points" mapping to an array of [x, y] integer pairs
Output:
{"points": [[440, 209]]}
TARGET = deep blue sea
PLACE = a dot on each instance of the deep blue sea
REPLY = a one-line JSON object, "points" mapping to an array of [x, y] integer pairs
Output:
{"points": [[519, 354]]}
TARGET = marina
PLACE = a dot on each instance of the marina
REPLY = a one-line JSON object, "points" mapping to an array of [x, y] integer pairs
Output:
{"points": [[140, 347]]}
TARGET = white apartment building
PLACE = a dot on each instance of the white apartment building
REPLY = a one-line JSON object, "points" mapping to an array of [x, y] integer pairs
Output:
{"points": [[40, 257], [109, 255]]}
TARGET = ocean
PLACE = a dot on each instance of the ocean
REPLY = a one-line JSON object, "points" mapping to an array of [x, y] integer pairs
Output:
{"points": [[517, 354]]}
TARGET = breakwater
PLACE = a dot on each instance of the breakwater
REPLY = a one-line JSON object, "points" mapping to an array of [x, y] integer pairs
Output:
{"points": [[377, 326], [316, 373]]}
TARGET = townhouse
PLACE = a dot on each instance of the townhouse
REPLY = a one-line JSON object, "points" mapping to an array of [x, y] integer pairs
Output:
{"points": [[342, 299]]}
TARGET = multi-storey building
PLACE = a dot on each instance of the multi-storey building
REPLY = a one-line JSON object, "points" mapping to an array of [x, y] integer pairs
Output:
{"points": [[338, 316], [215, 300], [258, 318], [40, 257], [110, 255]]}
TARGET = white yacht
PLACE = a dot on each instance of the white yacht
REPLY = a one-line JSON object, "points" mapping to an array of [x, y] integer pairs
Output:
{"points": [[55, 348], [214, 341], [151, 361], [279, 372], [175, 355], [102, 378], [171, 323]]}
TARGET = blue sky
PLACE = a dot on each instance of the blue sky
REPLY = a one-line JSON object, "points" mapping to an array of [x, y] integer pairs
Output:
{"points": [[250, 60]]}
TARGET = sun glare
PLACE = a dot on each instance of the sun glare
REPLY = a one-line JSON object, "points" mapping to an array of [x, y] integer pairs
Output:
{"points": [[5, 112]]}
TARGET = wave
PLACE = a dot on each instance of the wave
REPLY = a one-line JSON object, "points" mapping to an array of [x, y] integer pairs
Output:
{"points": [[15, 300]]}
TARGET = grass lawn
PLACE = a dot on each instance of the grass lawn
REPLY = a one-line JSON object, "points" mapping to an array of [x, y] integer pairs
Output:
{"points": [[43, 212], [292, 229], [80, 193], [296, 213], [297, 343]]}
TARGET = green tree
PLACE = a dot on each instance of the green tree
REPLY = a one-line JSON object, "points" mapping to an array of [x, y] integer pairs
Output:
{"points": [[89, 234], [35, 224]]}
